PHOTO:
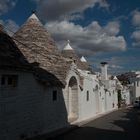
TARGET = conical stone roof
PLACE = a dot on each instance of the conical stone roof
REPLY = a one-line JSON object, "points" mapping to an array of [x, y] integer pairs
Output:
{"points": [[10, 55], [68, 47], [35, 36], [83, 59], [69, 52], [37, 45]]}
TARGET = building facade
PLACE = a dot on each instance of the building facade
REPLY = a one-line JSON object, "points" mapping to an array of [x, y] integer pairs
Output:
{"points": [[43, 89], [135, 86]]}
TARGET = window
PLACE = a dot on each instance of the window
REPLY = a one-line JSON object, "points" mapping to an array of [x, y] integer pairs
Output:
{"points": [[2, 80], [54, 97], [9, 80], [87, 95]]}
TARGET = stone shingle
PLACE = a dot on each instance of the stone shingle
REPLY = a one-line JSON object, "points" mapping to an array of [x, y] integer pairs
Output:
{"points": [[74, 57], [10, 55], [36, 44]]}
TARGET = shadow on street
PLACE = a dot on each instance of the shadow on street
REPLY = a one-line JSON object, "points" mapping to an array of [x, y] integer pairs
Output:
{"points": [[118, 125]]}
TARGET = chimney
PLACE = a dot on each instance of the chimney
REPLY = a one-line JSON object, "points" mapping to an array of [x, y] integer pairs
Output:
{"points": [[104, 66]]}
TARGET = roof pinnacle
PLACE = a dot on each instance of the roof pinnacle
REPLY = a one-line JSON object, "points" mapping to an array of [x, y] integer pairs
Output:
{"points": [[68, 47], [83, 59], [33, 16]]}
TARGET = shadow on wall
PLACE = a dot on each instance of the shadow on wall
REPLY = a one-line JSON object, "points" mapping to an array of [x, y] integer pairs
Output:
{"points": [[126, 128], [35, 109], [10, 55], [30, 107]]}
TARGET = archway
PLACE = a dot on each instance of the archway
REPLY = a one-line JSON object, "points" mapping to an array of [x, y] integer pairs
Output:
{"points": [[73, 100]]}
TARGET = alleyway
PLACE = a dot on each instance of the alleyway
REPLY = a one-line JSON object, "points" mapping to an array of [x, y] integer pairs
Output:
{"points": [[119, 125]]}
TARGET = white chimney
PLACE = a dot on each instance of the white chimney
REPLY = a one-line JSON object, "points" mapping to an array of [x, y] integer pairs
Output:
{"points": [[104, 66]]}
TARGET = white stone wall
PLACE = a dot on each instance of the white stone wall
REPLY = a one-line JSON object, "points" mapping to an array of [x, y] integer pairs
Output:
{"points": [[113, 99], [66, 91], [99, 100], [135, 89], [137, 86], [111, 95], [102, 100], [126, 96], [88, 107], [28, 109]]}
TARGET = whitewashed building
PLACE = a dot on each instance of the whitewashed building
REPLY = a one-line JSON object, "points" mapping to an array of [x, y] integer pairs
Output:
{"points": [[130, 89], [43, 89], [126, 95], [135, 86]]}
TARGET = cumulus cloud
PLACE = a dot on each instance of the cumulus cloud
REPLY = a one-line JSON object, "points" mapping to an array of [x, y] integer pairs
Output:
{"points": [[117, 63], [89, 39], [10, 26], [124, 62], [115, 67], [5, 5], [136, 22], [136, 18], [136, 37], [112, 28], [65, 9]]}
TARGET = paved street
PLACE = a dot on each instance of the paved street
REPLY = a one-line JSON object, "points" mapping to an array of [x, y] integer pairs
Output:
{"points": [[118, 125]]}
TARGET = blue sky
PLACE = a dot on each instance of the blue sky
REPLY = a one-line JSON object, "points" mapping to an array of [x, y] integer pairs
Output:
{"points": [[101, 30]]}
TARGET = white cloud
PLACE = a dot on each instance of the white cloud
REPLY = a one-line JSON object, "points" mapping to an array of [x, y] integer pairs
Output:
{"points": [[10, 26], [89, 39], [136, 22], [115, 67], [136, 18], [112, 28], [116, 64], [136, 37], [5, 5], [64, 9]]}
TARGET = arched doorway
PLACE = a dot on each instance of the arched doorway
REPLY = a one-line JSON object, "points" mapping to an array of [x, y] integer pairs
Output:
{"points": [[73, 100]]}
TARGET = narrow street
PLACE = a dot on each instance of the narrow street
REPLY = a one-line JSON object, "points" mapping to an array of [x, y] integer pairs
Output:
{"points": [[119, 125]]}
